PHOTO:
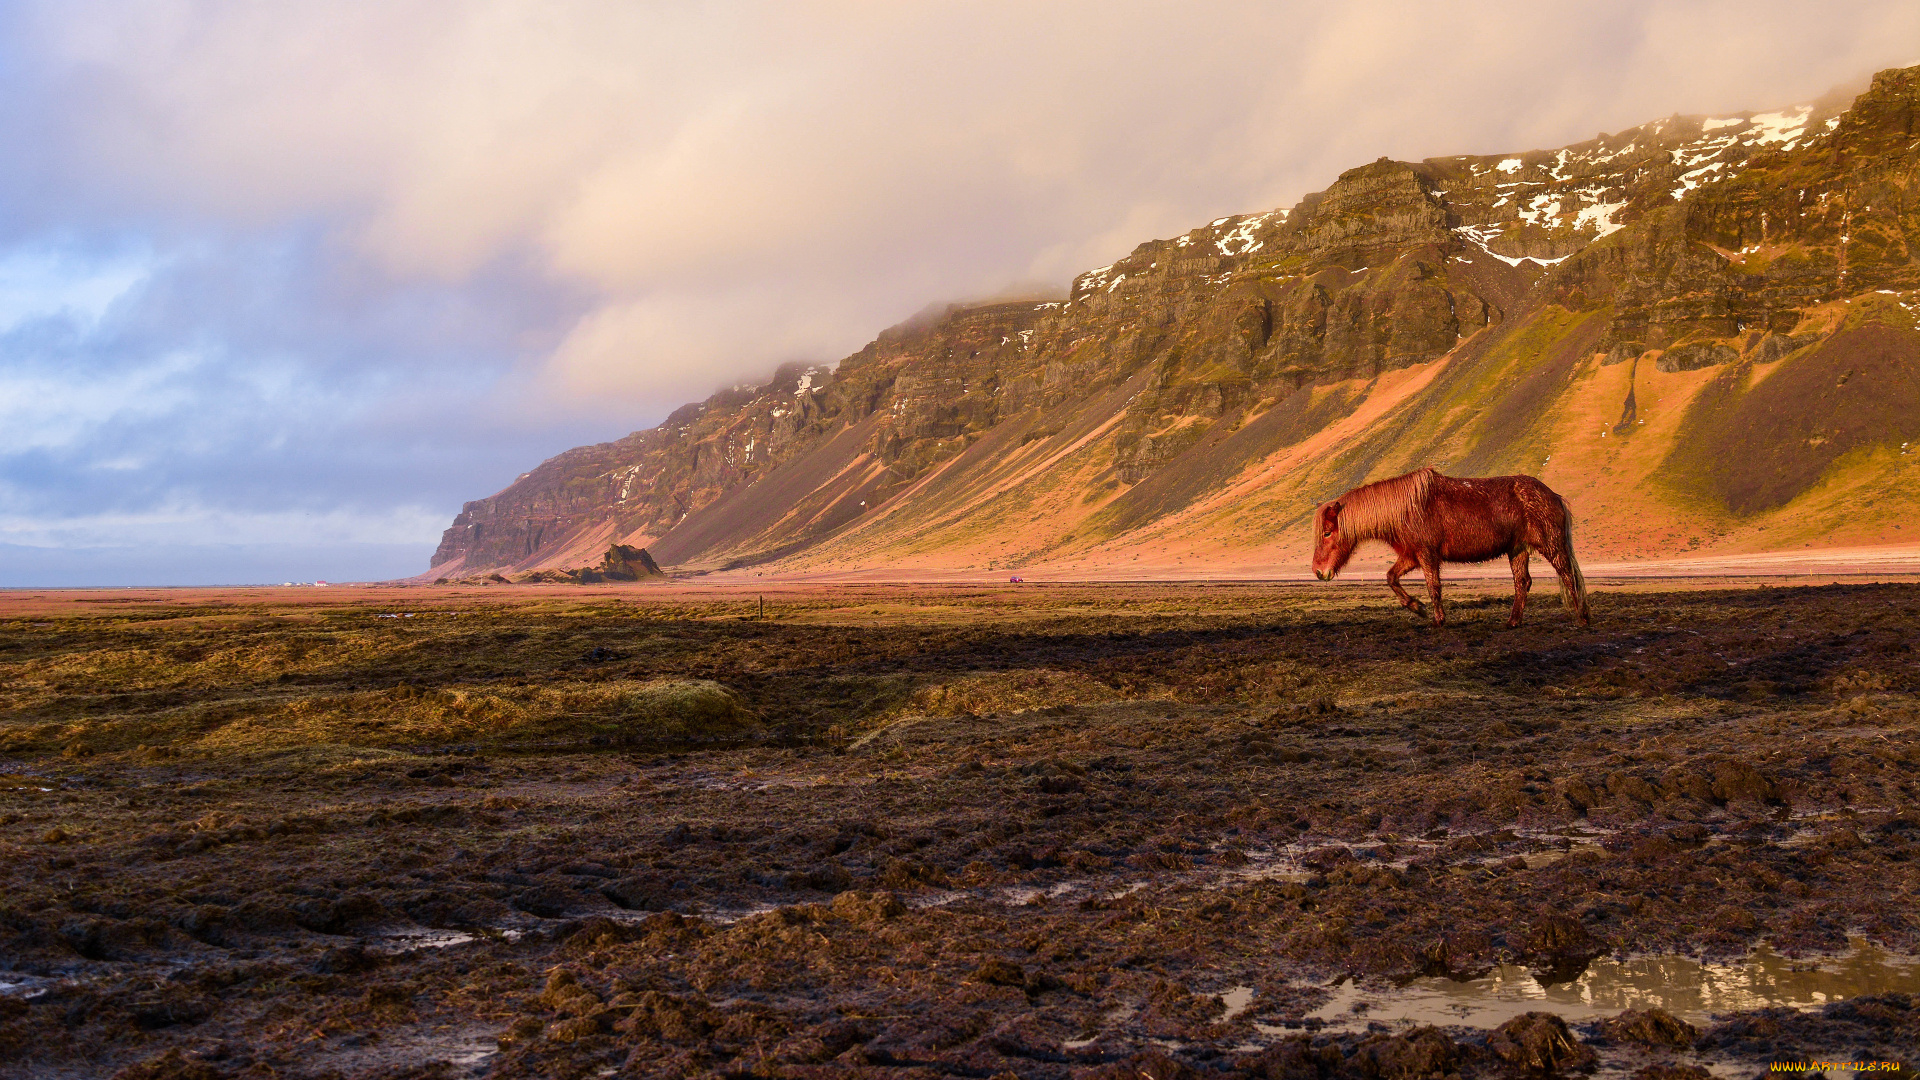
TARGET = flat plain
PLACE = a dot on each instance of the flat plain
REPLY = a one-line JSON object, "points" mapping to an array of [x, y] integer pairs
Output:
{"points": [[1113, 830]]}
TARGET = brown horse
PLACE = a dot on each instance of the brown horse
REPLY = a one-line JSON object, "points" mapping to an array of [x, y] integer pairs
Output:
{"points": [[1429, 519]]}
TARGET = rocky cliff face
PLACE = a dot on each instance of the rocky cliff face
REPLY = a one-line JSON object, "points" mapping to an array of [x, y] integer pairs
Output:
{"points": [[1488, 313]]}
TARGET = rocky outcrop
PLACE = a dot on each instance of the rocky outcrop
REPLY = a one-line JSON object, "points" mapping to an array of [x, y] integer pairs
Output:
{"points": [[621, 563], [1198, 365]]}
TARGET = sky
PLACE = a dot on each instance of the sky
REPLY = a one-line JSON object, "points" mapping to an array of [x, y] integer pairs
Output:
{"points": [[282, 285]]}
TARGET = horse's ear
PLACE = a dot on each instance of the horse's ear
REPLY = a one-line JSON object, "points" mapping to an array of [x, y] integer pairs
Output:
{"points": [[1330, 514]]}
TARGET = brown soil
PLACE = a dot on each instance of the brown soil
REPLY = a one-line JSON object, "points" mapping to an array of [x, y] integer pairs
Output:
{"points": [[928, 831]]}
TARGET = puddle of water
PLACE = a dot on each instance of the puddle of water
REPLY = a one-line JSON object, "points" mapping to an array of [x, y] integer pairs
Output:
{"points": [[1548, 858], [25, 987], [470, 1047], [1019, 895], [1022, 895], [715, 916], [1278, 863], [476, 1056], [1267, 865], [1851, 813], [398, 942], [1693, 991], [937, 899], [1237, 1000], [1283, 862]]}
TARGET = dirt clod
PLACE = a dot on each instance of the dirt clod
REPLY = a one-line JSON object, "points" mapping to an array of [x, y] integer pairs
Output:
{"points": [[1649, 1027], [1540, 1042]]}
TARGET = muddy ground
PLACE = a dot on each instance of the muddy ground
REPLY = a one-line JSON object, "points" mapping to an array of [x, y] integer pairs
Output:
{"points": [[1041, 831]]}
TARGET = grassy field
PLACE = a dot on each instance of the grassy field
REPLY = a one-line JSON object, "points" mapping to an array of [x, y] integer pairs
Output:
{"points": [[918, 831]]}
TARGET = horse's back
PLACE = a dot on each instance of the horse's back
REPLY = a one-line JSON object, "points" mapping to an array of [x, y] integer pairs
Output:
{"points": [[1495, 495], [1518, 490], [1485, 517]]}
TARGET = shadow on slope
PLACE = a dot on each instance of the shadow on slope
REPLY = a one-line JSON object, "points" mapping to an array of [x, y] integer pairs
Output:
{"points": [[1754, 446]]}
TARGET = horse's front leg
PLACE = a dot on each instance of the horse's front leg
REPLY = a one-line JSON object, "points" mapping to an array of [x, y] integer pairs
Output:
{"points": [[1522, 582], [1430, 566], [1404, 564]]}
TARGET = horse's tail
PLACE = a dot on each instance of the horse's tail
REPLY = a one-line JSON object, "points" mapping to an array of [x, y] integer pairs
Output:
{"points": [[1573, 584]]}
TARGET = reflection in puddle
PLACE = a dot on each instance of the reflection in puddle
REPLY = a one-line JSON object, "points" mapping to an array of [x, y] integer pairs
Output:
{"points": [[1688, 989]]}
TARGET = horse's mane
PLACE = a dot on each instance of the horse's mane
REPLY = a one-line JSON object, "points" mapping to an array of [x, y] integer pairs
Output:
{"points": [[1380, 508]]}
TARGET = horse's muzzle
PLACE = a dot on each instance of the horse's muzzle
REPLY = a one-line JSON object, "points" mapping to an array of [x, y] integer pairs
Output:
{"points": [[1321, 574]]}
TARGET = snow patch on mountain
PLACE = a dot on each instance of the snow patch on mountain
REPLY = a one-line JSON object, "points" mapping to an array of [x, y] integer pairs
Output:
{"points": [[1240, 239], [1599, 218], [1481, 235]]}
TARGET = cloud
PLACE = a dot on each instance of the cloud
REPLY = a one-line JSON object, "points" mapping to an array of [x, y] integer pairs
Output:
{"points": [[206, 561], [71, 286], [229, 390], [380, 255], [185, 525]]}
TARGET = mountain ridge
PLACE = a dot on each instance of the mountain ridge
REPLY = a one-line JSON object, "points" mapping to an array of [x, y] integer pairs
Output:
{"points": [[1675, 312]]}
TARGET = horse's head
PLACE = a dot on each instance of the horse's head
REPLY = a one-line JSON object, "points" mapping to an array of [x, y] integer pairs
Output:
{"points": [[1331, 546]]}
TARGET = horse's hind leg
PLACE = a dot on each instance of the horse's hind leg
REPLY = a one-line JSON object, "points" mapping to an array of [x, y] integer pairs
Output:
{"points": [[1562, 563], [1430, 565], [1522, 581], [1393, 582]]}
